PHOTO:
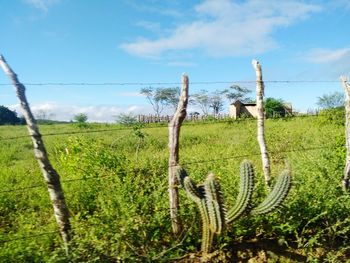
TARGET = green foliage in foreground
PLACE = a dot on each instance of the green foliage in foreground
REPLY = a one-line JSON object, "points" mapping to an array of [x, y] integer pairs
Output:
{"points": [[116, 188], [209, 199]]}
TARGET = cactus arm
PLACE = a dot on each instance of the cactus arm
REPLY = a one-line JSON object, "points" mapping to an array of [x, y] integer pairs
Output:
{"points": [[207, 234], [181, 175], [277, 195], [197, 195], [215, 204], [245, 192]]}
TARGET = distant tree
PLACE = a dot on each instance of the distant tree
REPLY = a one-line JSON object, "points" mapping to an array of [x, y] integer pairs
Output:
{"points": [[172, 95], [274, 107], [159, 98], [81, 119], [202, 100], [331, 100], [126, 119], [236, 92], [8, 116], [216, 102]]}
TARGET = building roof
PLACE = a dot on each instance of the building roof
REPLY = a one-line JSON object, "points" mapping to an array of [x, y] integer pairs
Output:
{"points": [[244, 104]]}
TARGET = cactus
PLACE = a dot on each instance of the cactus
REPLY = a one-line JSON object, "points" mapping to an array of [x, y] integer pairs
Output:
{"points": [[209, 199]]}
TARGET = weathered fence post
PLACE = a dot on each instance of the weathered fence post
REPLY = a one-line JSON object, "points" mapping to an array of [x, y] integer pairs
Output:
{"points": [[260, 121], [174, 134], [346, 86], [50, 175]]}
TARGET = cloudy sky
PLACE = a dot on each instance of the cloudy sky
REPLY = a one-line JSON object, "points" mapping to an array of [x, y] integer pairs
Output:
{"points": [[155, 41]]}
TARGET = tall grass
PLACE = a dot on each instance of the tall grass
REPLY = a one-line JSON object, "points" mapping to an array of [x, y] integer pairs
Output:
{"points": [[116, 188]]}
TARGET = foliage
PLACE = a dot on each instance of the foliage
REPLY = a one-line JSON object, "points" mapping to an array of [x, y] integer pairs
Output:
{"points": [[236, 92], [119, 200], [159, 98], [331, 100], [332, 116], [126, 119], [216, 102], [8, 116], [203, 100], [274, 108], [81, 120], [210, 201]]}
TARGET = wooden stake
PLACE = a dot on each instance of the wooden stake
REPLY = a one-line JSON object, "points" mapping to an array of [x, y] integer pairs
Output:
{"points": [[174, 134], [260, 121], [346, 86], [50, 175]]}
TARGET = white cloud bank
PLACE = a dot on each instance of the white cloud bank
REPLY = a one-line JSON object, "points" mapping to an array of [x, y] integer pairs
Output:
{"points": [[227, 28], [96, 113]]}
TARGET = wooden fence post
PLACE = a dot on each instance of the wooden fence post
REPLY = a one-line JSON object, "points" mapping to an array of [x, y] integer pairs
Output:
{"points": [[345, 179], [174, 134], [260, 121], [50, 175]]}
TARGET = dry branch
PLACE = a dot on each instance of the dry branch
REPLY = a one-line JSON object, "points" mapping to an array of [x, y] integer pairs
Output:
{"points": [[50, 175], [260, 121], [174, 134], [345, 179]]}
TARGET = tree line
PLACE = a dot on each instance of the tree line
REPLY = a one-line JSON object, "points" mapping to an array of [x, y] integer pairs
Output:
{"points": [[208, 102]]}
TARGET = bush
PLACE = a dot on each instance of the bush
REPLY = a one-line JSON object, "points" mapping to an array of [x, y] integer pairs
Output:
{"points": [[334, 116]]}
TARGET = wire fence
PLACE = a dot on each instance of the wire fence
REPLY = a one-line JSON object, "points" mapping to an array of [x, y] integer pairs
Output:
{"points": [[143, 126], [165, 83], [164, 125]]}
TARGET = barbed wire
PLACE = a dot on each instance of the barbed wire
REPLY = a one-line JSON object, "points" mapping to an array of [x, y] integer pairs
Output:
{"points": [[29, 236], [164, 83], [183, 164], [142, 126]]}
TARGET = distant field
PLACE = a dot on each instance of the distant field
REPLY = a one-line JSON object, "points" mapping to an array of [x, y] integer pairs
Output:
{"points": [[115, 184]]}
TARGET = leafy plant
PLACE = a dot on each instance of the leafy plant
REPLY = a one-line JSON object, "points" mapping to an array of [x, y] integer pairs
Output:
{"points": [[209, 199], [81, 120]]}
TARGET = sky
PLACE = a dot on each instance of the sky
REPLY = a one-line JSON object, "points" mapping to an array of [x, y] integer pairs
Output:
{"points": [[155, 41]]}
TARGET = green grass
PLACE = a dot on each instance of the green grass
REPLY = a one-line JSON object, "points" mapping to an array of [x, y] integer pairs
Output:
{"points": [[115, 185]]}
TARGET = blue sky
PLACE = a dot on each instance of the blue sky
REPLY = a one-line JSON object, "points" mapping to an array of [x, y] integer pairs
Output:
{"points": [[81, 41]]}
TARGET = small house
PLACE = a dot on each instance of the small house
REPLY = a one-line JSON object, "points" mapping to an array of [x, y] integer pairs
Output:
{"points": [[239, 109]]}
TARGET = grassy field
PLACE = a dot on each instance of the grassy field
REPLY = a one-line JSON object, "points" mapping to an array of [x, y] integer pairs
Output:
{"points": [[115, 184]]}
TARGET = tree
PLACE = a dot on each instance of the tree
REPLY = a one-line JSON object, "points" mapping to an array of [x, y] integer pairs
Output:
{"points": [[274, 107], [81, 119], [126, 119], [159, 98], [235, 92], [331, 100], [216, 102], [8, 116], [202, 100]]}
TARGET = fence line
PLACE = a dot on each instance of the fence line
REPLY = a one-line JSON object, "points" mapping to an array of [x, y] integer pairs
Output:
{"points": [[161, 125], [28, 237], [183, 163], [165, 83]]}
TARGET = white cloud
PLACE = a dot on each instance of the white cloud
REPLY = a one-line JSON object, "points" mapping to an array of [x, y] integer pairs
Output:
{"points": [[327, 55], [95, 113], [227, 28], [42, 4], [331, 62]]}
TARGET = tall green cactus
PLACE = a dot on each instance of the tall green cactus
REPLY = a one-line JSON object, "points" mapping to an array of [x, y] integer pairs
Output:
{"points": [[209, 199]]}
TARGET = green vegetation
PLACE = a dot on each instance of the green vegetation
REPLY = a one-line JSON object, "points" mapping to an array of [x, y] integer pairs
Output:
{"points": [[115, 184], [81, 120], [274, 108], [209, 199], [8, 116]]}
